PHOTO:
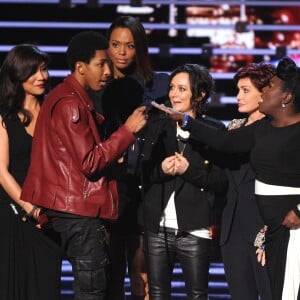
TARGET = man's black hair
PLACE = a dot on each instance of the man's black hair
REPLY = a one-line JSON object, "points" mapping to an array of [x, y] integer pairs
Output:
{"points": [[82, 47]]}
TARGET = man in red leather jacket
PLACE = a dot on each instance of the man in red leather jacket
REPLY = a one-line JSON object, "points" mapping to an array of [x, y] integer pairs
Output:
{"points": [[68, 176]]}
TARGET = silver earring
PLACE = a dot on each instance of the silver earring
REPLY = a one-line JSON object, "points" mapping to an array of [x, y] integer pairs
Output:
{"points": [[283, 105]]}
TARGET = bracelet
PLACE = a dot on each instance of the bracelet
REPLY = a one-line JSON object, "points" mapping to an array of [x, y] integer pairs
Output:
{"points": [[185, 121], [261, 238], [30, 214]]}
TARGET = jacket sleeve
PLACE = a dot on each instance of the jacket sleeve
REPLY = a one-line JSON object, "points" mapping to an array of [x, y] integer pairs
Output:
{"points": [[74, 125], [153, 152], [152, 170]]}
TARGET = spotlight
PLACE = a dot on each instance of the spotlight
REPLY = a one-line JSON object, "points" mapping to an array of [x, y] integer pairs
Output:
{"points": [[135, 7]]}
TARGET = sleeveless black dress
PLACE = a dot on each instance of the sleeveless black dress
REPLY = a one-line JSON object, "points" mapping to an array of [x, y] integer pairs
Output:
{"points": [[30, 261]]}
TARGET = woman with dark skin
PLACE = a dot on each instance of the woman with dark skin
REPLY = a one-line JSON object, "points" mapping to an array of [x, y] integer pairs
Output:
{"points": [[274, 147], [30, 260], [134, 83]]}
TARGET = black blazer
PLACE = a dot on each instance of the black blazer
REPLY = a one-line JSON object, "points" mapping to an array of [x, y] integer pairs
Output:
{"points": [[193, 190], [241, 202]]}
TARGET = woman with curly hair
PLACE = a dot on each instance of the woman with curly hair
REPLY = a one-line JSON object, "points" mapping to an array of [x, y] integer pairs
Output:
{"points": [[182, 181]]}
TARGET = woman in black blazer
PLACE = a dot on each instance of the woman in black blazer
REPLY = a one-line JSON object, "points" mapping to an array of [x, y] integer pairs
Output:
{"points": [[241, 220], [181, 178]]}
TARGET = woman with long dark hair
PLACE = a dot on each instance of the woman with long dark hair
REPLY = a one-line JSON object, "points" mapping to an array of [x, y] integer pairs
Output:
{"points": [[134, 83], [30, 260]]}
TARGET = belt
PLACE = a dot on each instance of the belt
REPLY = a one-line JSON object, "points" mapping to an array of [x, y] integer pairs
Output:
{"points": [[265, 189]]}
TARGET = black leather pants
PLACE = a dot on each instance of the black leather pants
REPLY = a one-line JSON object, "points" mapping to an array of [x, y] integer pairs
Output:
{"points": [[83, 240], [168, 246]]}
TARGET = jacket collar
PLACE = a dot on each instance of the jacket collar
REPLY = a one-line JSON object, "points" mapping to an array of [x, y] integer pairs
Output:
{"points": [[77, 88], [80, 91]]}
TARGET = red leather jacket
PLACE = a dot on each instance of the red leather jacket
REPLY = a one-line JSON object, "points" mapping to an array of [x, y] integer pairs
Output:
{"points": [[69, 161]]}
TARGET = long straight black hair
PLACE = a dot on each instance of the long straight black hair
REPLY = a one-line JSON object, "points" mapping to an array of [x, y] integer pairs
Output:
{"points": [[21, 62]]}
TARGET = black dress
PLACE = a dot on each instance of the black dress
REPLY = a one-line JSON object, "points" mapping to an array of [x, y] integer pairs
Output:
{"points": [[30, 261]]}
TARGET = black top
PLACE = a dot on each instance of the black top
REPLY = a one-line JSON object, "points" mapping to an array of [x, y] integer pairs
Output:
{"points": [[275, 151], [241, 207], [30, 260], [19, 153]]}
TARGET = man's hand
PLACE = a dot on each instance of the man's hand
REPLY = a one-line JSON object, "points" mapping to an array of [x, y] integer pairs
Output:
{"points": [[291, 220], [172, 113], [137, 120]]}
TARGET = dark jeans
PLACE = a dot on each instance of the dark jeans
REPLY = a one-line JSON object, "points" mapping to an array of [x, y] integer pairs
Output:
{"points": [[193, 253], [83, 241]]}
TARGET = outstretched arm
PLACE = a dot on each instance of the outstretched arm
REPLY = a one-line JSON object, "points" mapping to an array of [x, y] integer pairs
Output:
{"points": [[172, 113], [234, 141]]}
